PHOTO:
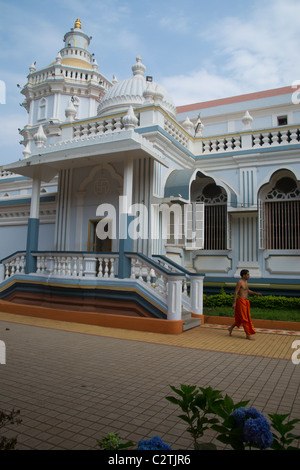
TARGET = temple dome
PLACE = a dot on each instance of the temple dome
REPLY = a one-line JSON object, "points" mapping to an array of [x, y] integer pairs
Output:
{"points": [[136, 91]]}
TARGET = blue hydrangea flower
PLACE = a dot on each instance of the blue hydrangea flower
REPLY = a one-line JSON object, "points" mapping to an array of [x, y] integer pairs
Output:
{"points": [[257, 431], [155, 443], [240, 414], [256, 428]]}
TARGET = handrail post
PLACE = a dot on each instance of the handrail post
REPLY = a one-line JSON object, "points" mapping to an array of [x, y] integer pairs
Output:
{"points": [[2, 272], [196, 294], [175, 297]]}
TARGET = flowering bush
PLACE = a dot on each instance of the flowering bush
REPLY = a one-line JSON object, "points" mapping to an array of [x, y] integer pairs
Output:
{"points": [[240, 427], [283, 437], [201, 408], [256, 430], [155, 443], [7, 419], [113, 441]]}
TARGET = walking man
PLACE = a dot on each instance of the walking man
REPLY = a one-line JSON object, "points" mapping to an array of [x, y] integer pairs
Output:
{"points": [[241, 305]]}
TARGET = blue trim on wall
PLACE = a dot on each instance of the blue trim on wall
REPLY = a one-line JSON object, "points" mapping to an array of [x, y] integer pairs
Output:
{"points": [[26, 200], [9, 180], [249, 151], [156, 128], [38, 287]]}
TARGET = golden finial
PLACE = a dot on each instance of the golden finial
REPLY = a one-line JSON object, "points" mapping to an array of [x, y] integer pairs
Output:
{"points": [[78, 23]]}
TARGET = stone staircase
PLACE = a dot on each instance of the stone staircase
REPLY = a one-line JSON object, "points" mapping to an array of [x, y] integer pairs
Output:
{"points": [[189, 321]]}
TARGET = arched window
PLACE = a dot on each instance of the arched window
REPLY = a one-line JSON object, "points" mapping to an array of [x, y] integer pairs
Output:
{"points": [[280, 213], [42, 111], [215, 217]]}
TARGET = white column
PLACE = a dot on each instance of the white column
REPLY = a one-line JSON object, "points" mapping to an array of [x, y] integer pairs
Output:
{"points": [[197, 294], [127, 187], [33, 226], [35, 199], [174, 297]]}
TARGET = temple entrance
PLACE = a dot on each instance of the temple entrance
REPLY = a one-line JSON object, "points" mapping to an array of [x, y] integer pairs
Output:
{"points": [[96, 244]]}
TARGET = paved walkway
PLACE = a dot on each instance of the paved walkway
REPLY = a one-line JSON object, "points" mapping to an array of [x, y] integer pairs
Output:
{"points": [[74, 383]]}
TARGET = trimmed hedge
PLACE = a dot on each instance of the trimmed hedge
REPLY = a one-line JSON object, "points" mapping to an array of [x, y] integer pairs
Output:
{"points": [[265, 301]]}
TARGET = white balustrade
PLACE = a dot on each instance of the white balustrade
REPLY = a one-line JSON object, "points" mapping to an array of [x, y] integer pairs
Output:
{"points": [[260, 139], [172, 288], [167, 282], [14, 265], [72, 265], [277, 137], [176, 131], [6, 174], [155, 279], [221, 144], [101, 126]]}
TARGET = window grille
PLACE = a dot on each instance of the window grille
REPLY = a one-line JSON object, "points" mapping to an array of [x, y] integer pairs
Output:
{"points": [[282, 216], [215, 227], [215, 217], [282, 219]]}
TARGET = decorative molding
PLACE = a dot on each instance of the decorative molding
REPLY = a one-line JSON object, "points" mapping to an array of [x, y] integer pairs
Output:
{"points": [[277, 264]]}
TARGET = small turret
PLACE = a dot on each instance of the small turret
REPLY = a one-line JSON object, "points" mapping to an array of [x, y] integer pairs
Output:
{"points": [[72, 75], [77, 24]]}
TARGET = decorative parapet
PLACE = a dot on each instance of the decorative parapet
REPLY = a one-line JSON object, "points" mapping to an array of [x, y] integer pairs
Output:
{"points": [[268, 138], [100, 126], [177, 132], [5, 174], [221, 144], [275, 137], [186, 134]]}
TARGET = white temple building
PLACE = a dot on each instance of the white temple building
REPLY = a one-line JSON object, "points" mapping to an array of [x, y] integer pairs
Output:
{"points": [[125, 207]]}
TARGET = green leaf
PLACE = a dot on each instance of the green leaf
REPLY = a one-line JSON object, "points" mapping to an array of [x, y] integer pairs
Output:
{"points": [[204, 446], [173, 400]]}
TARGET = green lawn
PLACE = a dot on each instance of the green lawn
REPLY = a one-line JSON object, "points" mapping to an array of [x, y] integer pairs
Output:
{"points": [[292, 315]]}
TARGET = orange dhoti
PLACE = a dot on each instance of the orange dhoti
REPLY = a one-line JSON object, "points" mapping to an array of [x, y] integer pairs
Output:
{"points": [[242, 316]]}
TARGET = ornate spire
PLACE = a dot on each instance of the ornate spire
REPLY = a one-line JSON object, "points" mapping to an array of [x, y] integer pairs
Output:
{"points": [[26, 152], [188, 125], [70, 111], [247, 120], [138, 69], [77, 23], [130, 121], [40, 137]]}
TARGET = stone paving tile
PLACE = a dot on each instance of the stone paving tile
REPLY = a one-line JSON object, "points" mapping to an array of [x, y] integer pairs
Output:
{"points": [[73, 387]]}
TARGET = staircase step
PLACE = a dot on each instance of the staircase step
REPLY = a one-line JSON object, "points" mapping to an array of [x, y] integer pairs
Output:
{"points": [[189, 321]]}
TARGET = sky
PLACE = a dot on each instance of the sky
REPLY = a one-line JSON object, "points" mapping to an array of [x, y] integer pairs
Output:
{"points": [[198, 50]]}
